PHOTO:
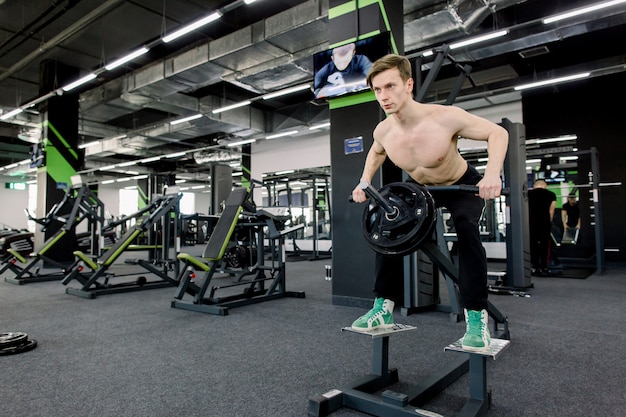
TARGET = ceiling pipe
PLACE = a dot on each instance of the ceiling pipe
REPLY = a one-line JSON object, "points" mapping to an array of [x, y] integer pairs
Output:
{"points": [[66, 34]]}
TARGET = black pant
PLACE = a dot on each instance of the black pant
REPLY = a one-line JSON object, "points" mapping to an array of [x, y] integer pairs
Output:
{"points": [[540, 247], [466, 210]]}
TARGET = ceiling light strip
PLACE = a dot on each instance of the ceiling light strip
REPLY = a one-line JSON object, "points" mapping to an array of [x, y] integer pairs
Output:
{"points": [[553, 81], [583, 10], [191, 27], [232, 106], [478, 39], [135, 54], [186, 119], [286, 91], [280, 135], [79, 82], [11, 114], [241, 142]]}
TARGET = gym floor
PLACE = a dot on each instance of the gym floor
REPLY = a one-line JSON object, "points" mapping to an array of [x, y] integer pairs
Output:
{"points": [[133, 355]]}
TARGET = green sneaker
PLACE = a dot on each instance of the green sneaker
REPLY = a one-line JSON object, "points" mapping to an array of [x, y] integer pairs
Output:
{"points": [[379, 317], [477, 338]]}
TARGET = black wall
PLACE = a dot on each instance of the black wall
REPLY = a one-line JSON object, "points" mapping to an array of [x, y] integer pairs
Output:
{"points": [[593, 109]]}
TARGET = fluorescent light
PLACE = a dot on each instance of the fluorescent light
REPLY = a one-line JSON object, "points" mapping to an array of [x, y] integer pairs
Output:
{"points": [[78, 82], [86, 145], [126, 58], [118, 137], [237, 174], [127, 164], [107, 182], [286, 91], [549, 140], [10, 166], [478, 39], [289, 171], [533, 161], [568, 158], [176, 155], [186, 119], [197, 187], [11, 114], [583, 10], [241, 142], [122, 179], [553, 81], [280, 135], [108, 167], [232, 106], [151, 159], [193, 26], [249, 1], [320, 126]]}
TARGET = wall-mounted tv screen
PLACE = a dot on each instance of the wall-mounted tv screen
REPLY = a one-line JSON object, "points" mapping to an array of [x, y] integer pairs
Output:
{"points": [[343, 69]]}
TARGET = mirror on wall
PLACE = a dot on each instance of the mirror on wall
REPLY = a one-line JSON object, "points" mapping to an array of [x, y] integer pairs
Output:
{"points": [[306, 194]]}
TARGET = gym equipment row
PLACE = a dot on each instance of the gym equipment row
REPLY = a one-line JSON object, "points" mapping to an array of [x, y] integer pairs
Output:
{"points": [[266, 226], [78, 204], [96, 278]]}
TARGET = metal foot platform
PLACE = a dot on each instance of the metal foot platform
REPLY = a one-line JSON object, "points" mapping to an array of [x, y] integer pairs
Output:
{"points": [[362, 395]]}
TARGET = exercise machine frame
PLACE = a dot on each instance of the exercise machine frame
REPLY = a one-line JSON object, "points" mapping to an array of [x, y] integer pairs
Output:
{"points": [[96, 281], [85, 205], [255, 290]]}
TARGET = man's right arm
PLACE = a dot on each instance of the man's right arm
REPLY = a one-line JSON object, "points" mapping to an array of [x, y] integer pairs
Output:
{"points": [[374, 160]]}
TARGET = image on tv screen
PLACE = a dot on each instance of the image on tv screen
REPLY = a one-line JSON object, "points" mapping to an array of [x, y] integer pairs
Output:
{"points": [[343, 69]]}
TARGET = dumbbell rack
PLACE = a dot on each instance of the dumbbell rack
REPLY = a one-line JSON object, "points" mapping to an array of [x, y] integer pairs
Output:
{"points": [[361, 394]]}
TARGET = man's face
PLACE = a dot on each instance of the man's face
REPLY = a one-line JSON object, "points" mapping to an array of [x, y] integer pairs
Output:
{"points": [[391, 92], [342, 60]]}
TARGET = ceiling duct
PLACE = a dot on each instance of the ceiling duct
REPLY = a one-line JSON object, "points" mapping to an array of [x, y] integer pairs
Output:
{"points": [[205, 157], [280, 45], [449, 20]]}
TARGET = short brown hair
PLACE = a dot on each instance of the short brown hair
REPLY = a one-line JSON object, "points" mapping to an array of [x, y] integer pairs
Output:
{"points": [[387, 62]]}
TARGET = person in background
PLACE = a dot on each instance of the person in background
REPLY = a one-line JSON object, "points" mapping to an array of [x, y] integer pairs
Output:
{"points": [[541, 206], [571, 217]]}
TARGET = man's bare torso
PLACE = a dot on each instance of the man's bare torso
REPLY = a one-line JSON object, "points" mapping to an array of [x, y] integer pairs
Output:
{"points": [[426, 150]]}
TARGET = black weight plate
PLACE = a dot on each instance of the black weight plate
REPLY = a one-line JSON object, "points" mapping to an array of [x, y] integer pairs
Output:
{"points": [[10, 339], [402, 232], [14, 350]]}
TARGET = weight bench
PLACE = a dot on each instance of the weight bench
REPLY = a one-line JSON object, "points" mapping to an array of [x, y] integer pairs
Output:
{"points": [[254, 290], [361, 394]]}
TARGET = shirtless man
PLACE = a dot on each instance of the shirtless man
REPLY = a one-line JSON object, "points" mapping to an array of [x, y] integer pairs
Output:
{"points": [[422, 140]]}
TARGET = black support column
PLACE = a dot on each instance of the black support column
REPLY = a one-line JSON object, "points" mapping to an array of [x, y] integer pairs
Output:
{"points": [[63, 158], [353, 119]]}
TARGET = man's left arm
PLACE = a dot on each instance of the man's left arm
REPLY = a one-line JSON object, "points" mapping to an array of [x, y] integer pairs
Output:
{"points": [[497, 139]]}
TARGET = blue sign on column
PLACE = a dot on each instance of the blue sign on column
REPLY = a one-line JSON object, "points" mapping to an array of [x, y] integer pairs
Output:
{"points": [[353, 145]]}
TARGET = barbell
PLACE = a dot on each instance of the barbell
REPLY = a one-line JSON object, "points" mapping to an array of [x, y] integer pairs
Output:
{"points": [[401, 215]]}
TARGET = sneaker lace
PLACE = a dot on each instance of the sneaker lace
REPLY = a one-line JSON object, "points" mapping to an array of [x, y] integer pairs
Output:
{"points": [[475, 324]]}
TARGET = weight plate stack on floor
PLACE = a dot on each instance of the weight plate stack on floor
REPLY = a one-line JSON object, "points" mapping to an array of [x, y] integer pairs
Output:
{"points": [[12, 343]]}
